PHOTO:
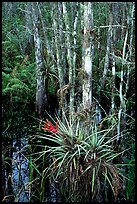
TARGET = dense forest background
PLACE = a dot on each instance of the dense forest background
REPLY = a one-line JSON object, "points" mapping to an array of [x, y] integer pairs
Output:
{"points": [[74, 60]]}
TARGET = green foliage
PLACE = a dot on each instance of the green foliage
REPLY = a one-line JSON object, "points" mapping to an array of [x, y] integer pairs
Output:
{"points": [[19, 82], [81, 163], [130, 187], [18, 76]]}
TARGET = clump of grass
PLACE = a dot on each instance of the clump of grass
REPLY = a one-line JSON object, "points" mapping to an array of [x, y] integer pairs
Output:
{"points": [[81, 162]]}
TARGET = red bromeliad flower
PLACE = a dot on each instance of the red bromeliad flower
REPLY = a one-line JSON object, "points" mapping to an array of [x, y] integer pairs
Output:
{"points": [[49, 126]]}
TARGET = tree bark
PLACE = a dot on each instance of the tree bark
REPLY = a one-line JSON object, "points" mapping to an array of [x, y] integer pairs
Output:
{"points": [[88, 54], [75, 42], [69, 58], [29, 43], [41, 97], [116, 12], [106, 65], [126, 55], [63, 71], [57, 25], [122, 100]]}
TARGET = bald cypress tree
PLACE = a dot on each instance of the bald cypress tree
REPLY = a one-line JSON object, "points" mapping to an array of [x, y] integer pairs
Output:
{"points": [[41, 97], [88, 47]]}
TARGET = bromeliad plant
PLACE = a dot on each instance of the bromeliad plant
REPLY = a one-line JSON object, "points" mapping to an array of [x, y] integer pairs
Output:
{"points": [[81, 163]]}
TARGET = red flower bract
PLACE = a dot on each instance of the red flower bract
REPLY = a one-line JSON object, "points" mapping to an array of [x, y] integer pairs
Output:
{"points": [[49, 126]]}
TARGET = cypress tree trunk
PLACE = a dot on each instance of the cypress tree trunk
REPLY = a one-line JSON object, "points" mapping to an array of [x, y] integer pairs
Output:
{"points": [[69, 58], [122, 100], [29, 22], [113, 83], [44, 29], [107, 57], [88, 54], [41, 97], [75, 41], [57, 25], [116, 11], [63, 80], [113, 64], [123, 21], [126, 55], [130, 45], [99, 46]]}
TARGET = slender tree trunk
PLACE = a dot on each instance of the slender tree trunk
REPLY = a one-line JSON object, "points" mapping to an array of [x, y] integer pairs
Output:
{"points": [[99, 47], [106, 65], [113, 64], [128, 56], [29, 22], [130, 45], [122, 100], [88, 55], [56, 24], [46, 42], [116, 9], [28, 44], [41, 97], [123, 21], [113, 83], [69, 58], [122, 118], [75, 43], [63, 80], [57, 43], [43, 22]]}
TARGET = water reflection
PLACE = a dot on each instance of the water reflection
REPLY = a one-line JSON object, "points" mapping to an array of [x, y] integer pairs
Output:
{"points": [[15, 170], [20, 170], [16, 174]]}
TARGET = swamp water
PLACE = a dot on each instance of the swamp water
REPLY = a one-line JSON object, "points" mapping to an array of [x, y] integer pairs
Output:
{"points": [[16, 173]]}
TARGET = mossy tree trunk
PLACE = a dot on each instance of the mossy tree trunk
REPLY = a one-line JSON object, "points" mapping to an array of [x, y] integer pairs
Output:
{"points": [[108, 49], [88, 54], [69, 58], [59, 44], [41, 97]]}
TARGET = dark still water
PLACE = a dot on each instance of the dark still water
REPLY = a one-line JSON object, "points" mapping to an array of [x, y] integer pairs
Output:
{"points": [[18, 182], [20, 171], [15, 170]]}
